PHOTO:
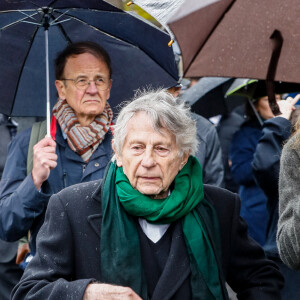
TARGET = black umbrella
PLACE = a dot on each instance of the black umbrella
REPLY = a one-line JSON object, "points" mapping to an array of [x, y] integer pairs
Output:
{"points": [[207, 97], [139, 52]]}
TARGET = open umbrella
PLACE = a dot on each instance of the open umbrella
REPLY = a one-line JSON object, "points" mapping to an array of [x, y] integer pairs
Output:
{"points": [[207, 97], [241, 38], [163, 10], [33, 32], [253, 88]]}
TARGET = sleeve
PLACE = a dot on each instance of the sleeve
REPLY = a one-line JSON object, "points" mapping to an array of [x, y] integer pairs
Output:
{"points": [[241, 155], [49, 274], [210, 156], [288, 235], [20, 201], [250, 274], [266, 161]]}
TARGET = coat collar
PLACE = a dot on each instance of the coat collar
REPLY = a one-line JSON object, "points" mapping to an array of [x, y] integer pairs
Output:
{"points": [[95, 220]]}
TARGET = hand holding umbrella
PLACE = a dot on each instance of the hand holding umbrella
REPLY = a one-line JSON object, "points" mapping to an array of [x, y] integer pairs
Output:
{"points": [[44, 160]]}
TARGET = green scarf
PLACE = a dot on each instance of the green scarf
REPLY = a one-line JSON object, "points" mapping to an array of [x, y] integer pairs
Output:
{"points": [[120, 249]]}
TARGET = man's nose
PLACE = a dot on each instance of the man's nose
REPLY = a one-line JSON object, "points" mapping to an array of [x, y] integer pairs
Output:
{"points": [[92, 88], [148, 160]]}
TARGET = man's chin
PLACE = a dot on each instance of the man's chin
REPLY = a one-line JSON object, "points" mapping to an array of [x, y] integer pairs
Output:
{"points": [[154, 194]]}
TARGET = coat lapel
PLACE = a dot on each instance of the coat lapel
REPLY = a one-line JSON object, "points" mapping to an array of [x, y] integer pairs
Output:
{"points": [[176, 270], [95, 220]]}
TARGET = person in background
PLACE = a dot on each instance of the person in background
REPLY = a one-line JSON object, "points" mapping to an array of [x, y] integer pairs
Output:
{"points": [[288, 236], [10, 273], [209, 151], [265, 165], [150, 229], [78, 150], [243, 146], [227, 125]]}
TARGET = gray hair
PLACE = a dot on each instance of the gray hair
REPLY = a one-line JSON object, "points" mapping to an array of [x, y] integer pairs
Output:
{"points": [[165, 111]]}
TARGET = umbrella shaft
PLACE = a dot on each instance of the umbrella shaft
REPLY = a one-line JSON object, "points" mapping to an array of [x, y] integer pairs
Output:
{"points": [[47, 83]]}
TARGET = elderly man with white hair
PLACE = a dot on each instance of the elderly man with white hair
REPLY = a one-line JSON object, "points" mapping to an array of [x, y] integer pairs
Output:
{"points": [[150, 229]]}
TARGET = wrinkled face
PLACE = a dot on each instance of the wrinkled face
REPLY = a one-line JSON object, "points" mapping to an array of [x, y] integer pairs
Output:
{"points": [[91, 102], [149, 159], [263, 108]]}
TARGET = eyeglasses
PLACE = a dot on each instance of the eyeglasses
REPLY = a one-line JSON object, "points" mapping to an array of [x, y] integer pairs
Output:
{"points": [[83, 83]]}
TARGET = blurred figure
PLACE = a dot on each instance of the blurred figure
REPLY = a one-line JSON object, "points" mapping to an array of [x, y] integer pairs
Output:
{"points": [[288, 235], [209, 151], [226, 127], [265, 165], [243, 146], [10, 273]]}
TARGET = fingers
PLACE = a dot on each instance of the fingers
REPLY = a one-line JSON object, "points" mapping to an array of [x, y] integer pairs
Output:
{"points": [[110, 292], [46, 141], [294, 100], [44, 160], [22, 251]]}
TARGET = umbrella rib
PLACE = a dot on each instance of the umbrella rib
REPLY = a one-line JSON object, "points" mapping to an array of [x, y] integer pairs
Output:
{"points": [[211, 32], [54, 21], [19, 21], [38, 24], [29, 16]]}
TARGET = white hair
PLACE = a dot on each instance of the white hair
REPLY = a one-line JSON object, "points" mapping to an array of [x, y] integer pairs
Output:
{"points": [[165, 111]]}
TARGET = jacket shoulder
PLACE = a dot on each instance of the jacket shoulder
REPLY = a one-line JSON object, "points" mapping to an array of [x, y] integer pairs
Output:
{"points": [[220, 198], [76, 193]]}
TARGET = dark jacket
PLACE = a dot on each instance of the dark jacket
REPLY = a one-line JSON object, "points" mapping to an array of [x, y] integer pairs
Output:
{"points": [[226, 128], [7, 250], [209, 152], [68, 256], [253, 207], [265, 165], [22, 206]]}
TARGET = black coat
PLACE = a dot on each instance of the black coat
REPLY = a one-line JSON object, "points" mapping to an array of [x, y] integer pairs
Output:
{"points": [[68, 256]]}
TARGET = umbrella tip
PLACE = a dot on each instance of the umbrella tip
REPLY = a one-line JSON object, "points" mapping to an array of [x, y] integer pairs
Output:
{"points": [[170, 43], [129, 3]]}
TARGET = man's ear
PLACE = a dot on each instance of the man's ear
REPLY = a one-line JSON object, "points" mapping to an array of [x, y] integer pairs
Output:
{"points": [[60, 87], [118, 157], [184, 159], [109, 89]]}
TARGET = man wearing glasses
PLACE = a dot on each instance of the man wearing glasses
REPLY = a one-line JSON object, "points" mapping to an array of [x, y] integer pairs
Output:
{"points": [[77, 151]]}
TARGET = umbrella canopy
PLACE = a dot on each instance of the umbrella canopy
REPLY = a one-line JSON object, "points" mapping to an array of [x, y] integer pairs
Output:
{"points": [[233, 38], [207, 97], [242, 39], [138, 50], [254, 89]]}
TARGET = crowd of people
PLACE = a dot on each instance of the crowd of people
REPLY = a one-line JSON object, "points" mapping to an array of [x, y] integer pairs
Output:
{"points": [[154, 203]]}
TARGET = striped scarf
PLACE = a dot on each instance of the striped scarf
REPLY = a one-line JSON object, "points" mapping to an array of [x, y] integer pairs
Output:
{"points": [[83, 140]]}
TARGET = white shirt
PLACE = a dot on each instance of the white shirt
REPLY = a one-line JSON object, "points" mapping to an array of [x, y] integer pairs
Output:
{"points": [[153, 231]]}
